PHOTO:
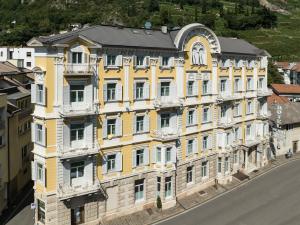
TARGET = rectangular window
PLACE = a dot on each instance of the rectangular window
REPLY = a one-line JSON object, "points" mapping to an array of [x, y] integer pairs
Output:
{"points": [[248, 130], [111, 126], [205, 87], [77, 93], [190, 88], [1, 140], [249, 107], [24, 151], [39, 133], [205, 142], [189, 174], [237, 109], [77, 170], [165, 120], [77, 57], [140, 60], [190, 146], [111, 60], [139, 90], [111, 162], [139, 157], [168, 187], [28, 54], [41, 211], [28, 64], [204, 169], [260, 83], [249, 84], [191, 117], [139, 190], [226, 166], [205, 115], [227, 138], [158, 187], [111, 91], [223, 111], [139, 124], [40, 93], [168, 154], [236, 133], [164, 89], [158, 154], [77, 215], [235, 157], [40, 172], [223, 86], [77, 132], [165, 61], [236, 84], [219, 165]]}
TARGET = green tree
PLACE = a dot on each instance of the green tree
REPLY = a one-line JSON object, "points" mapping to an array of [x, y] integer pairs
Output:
{"points": [[158, 202], [153, 5], [274, 77]]}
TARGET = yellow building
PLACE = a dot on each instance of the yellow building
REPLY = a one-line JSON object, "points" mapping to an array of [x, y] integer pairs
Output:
{"points": [[15, 135], [124, 115]]}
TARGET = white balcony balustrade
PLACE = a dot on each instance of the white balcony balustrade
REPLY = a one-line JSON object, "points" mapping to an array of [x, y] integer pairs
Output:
{"points": [[78, 69]]}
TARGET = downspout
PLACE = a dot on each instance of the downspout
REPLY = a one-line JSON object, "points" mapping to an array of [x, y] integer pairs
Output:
{"points": [[8, 162]]}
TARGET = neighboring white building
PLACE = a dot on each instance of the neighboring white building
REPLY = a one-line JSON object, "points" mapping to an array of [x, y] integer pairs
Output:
{"points": [[19, 56]]}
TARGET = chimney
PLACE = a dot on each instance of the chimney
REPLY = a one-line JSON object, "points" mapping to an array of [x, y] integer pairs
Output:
{"points": [[164, 29]]}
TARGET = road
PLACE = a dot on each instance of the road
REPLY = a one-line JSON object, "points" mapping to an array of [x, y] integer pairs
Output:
{"points": [[272, 199]]}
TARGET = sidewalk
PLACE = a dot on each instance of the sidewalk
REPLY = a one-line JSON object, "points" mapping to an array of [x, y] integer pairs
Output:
{"points": [[152, 215]]}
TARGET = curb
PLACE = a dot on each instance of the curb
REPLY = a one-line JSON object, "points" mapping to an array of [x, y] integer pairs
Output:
{"points": [[225, 192]]}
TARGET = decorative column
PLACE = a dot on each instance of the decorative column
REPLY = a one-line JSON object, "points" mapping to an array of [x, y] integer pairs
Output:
{"points": [[153, 62], [255, 75], [214, 76], [179, 64], [126, 65], [95, 78], [58, 78]]}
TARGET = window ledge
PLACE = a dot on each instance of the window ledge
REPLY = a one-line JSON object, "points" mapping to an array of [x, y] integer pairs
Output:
{"points": [[206, 122], [142, 132], [111, 67], [191, 125]]}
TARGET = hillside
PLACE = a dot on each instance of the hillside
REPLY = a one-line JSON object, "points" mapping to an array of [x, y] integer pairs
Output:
{"points": [[277, 33]]}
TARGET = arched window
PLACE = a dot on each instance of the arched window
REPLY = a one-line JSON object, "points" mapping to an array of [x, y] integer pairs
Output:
{"points": [[198, 54]]}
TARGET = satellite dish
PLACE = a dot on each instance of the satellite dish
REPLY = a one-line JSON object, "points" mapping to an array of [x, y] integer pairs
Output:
{"points": [[148, 25]]}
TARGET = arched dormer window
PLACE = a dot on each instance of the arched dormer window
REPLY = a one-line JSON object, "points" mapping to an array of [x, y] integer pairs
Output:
{"points": [[199, 54]]}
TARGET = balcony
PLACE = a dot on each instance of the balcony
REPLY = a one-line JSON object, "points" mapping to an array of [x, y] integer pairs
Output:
{"points": [[67, 152], [225, 123], [264, 92], [67, 191], [166, 134], [250, 94], [167, 102], [83, 109], [225, 96], [72, 69], [263, 115], [252, 141]]}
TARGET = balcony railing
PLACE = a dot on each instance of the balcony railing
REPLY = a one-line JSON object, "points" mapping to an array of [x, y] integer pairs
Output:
{"points": [[78, 69], [263, 115], [225, 96], [166, 134], [79, 110], [225, 123], [167, 102], [264, 92], [65, 152], [68, 191]]}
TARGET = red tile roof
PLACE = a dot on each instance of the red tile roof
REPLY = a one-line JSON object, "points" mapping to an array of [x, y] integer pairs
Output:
{"points": [[285, 88], [277, 99], [283, 65]]}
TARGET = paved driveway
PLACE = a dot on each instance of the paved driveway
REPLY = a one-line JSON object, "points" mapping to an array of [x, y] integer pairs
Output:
{"points": [[273, 199]]}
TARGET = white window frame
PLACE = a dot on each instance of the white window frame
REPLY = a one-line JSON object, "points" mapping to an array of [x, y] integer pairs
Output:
{"points": [[219, 165], [139, 190], [204, 169], [189, 175], [168, 187]]}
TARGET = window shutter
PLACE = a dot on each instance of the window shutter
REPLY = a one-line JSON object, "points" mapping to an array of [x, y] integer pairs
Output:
{"points": [[33, 130], [44, 175], [33, 93], [173, 89], [158, 90], [195, 146], [67, 95], [89, 134], [195, 87], [209, 142], [67, 173], [158, 122], [119, 92], [33, 170], [133, 158], [187, 88], [134, 90], [104, 128], [134, 124], [89, 95], [134, 59], [187, 118], [119, 160], [105, 92], [146, 123], [153, 158], [146, 156], [195, 115], [186, 148], [104, 164], [119, 126], [44, 95], [86, 58], [173, 154], [147, 61], [69, 57], [160, 61], [171, 62], [66, 136], [104, 60], [44, 130], [146, 90], [119, 60]]}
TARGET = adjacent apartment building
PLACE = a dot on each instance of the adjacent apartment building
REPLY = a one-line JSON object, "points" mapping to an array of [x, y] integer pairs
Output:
{"points": [[123, 115], [19, 56], [15, 135]]}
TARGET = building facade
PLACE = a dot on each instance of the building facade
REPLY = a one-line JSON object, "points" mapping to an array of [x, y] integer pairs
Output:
{"points": [[15, 135], [19, 56], [124, 115]]}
